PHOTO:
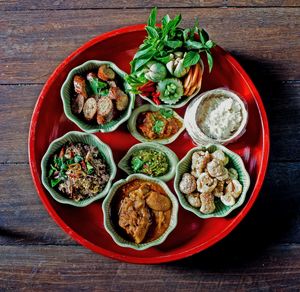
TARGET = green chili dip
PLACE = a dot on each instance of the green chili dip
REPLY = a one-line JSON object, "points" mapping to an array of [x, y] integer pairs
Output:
{"points": [[149, 162]]}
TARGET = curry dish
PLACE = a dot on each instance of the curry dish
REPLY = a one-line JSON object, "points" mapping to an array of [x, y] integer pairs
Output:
{"points": [[141, 211], [158, 125]]}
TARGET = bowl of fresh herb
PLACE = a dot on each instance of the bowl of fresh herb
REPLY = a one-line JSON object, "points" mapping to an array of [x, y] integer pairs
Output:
{"points": [[167, 69]]}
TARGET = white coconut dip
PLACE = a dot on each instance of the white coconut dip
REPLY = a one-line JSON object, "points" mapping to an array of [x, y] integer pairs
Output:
{"points": [[219, 116]]}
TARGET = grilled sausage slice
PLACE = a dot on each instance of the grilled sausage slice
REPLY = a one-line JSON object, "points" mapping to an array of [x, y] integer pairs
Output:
{"points": [[90, 108], [115, 93], [80, 85], [77, 104], [105, 73], [105, 110]]}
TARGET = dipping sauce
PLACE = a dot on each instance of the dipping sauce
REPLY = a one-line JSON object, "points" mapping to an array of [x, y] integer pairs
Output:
{"points": [[149, 162], [141, 211], [158, 125]]}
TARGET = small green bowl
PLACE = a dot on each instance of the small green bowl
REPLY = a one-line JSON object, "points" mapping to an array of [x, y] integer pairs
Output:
{"points": [[107, 213], [182, 101], [85, 138], [124, 163], [235, 161], [67, 91], [149, 107]]}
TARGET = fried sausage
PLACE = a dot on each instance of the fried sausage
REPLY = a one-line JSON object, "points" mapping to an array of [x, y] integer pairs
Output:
{"points": [[77, 104], [80, 85], [105, 110], [105, 73], [90, 108], [122, 100]]}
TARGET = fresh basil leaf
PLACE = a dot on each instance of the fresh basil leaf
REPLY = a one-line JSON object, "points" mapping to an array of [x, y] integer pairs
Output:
{"points": [[138, 63], [55, 182], [104, 92], [136, 164], [152, 33], [186, 33], [51, 171], [164, 60], [191, 58], [158, 126], [210, 60], [89, 168], [209, 44], [152, 17], [193, 45], [204, 37], [148, 50], [171, 26], [167, 113], [165, 20], [77, 158], [64, 167], [173, 44], [57, 161], [96, 85]]}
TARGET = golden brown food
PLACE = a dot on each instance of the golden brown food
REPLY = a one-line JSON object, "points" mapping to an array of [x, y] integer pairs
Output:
{"points": [[80, 85], [214, 181], [90, 108], [154, 125], [99, 99], [105, 73], [141, 211]]}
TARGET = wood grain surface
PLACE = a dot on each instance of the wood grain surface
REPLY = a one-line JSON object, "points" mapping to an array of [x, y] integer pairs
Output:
{"points": [[261, 254]]}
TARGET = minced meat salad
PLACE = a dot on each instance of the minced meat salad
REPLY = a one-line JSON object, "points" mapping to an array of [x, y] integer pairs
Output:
{"points": [[78, 171]]}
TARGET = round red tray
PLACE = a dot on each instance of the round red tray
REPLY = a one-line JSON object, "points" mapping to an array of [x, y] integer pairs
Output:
{"points": [[192, 234]]}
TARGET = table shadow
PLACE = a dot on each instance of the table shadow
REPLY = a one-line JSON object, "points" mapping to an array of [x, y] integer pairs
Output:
{"points": [[273, 218]]}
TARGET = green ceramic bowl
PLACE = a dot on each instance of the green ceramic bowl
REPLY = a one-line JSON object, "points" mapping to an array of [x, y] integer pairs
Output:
{"points": [[235, 161], [124, 163], [67, 91], [149, 107], [108, 224], [76, 137], [183, 100]]}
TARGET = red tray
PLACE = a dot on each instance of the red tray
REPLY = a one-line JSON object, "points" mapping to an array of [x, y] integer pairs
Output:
{"points": [[192, 234]]}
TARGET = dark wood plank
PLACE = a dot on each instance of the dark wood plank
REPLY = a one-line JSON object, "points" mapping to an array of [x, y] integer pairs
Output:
{"points": [[93, 4], [36, 42], [16, 107], [24, 220], [282, 100], [38, 268]]}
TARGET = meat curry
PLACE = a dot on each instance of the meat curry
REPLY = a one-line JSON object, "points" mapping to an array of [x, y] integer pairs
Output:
{"points": [[141, 211]]}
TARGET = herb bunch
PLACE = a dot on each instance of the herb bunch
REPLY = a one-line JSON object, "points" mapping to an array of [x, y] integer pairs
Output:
{"points": [[165, 39]]}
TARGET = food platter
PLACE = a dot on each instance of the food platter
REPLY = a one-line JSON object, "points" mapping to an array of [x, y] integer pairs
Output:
{"points": [[192, 234]]}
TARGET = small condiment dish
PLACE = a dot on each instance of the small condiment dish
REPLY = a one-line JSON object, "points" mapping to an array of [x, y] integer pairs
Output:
{"points": [[172, 158], [195, 108], [132, 125], [85, 138], [235, 161], [67, 91], [107, 213]]}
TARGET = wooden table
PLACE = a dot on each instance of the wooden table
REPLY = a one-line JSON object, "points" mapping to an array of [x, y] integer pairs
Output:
{"points": [[262, 253]]}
